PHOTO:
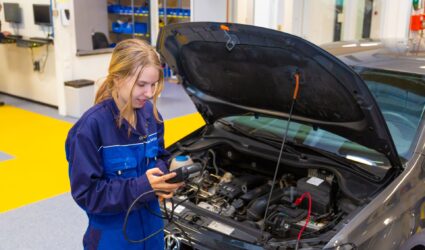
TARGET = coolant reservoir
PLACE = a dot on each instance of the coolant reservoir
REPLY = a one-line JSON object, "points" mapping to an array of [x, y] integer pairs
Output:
{"points": [[180, 161]]}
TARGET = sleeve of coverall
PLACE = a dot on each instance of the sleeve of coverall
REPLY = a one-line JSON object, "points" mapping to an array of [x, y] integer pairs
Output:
{"points": [[163, 155], [90, 191]]}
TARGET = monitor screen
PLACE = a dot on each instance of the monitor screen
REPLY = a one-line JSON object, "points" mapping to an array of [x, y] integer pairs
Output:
{"points": [[42, 14], [12, 13]]}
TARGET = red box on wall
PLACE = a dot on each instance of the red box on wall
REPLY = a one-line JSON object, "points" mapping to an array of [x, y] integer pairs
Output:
{"points": [[416, 22]]}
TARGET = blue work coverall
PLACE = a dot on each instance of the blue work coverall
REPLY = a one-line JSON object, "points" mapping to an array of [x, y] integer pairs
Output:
{"points": [[107, 172]]}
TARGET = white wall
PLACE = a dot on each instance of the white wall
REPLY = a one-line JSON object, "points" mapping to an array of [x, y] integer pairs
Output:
{"points": [[352, 20], [318, 20], [395, 19], [16, 70], [314, 19], [27, 27], [310, 19], [16, 74], [376, 19], [243, 12], [208, 10], [265, 13], [285, 15]]}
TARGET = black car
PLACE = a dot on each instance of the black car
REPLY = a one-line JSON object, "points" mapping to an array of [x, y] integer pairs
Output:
{"points": [[300, 149]]}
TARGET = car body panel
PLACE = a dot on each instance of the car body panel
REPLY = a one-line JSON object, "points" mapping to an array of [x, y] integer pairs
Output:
{"points": [[393, 215]]}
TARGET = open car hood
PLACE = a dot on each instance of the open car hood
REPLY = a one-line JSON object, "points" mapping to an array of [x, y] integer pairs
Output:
{"points": [[251, 69]]}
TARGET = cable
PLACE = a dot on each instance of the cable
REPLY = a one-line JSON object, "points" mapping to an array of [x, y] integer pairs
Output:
{"points": [[32, 56], [167, 216], [294, 98], [45, 58], [297, 202], [124, 227], [170, 220], [15, 28], [328, 225], [174, 206]]}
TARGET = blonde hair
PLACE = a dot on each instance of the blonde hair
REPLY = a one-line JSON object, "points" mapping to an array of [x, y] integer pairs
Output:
{"points": [[129, 58]]}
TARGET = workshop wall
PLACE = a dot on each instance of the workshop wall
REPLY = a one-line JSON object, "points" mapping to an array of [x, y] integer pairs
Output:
{"points": [[17, 76]]}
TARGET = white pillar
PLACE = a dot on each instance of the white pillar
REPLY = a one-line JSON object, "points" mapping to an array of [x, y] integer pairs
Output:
{"points": [[208, 10], [285, 16], [298, 18], [314, 20], [65, 48], [395, 19], [265, 13], [154, 21], [375, 28], [243, 12], [352, 21]]}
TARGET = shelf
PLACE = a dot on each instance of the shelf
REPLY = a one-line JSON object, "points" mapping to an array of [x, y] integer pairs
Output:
{"points": [[30, 43], [129, 14], [122, 15], [130, 34], [161, 15], [141, 35], [173, 16], [7, 40], [26, 42], [143, 11]]}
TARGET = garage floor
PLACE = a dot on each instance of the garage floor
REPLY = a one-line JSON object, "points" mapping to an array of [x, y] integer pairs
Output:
{"points": [[36, 209]]}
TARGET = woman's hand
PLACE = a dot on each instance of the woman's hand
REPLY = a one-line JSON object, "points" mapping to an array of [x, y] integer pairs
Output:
{"points": [[157, 180]]}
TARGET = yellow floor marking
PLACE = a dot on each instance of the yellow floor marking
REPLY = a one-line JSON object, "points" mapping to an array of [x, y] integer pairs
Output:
{"points": [[39, 169], [179, 127]]}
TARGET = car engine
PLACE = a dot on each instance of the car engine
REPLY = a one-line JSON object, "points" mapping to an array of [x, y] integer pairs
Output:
{"points": [[236, 186]]}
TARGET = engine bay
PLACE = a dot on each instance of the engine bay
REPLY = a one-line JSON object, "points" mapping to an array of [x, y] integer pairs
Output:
{"points": [[236, 186]]}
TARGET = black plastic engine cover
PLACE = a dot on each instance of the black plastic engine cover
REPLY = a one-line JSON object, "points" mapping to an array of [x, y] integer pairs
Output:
{"points": [[239, 186]]}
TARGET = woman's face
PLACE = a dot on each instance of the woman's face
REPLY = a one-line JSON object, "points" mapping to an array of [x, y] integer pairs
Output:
{"points": [[144, 87]]}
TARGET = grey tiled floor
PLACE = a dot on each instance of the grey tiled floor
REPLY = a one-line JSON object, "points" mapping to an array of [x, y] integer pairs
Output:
{"points": [[58, 223], [4, 156]]}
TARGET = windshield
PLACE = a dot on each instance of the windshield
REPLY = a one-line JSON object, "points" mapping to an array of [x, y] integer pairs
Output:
{"points": [[401, 98]]}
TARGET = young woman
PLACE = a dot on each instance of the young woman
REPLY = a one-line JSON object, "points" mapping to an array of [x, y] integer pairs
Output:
{"points": [[116, 152]]}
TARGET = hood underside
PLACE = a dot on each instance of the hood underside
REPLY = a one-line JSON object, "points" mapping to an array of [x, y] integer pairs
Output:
{"points": [[251, 70]]}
